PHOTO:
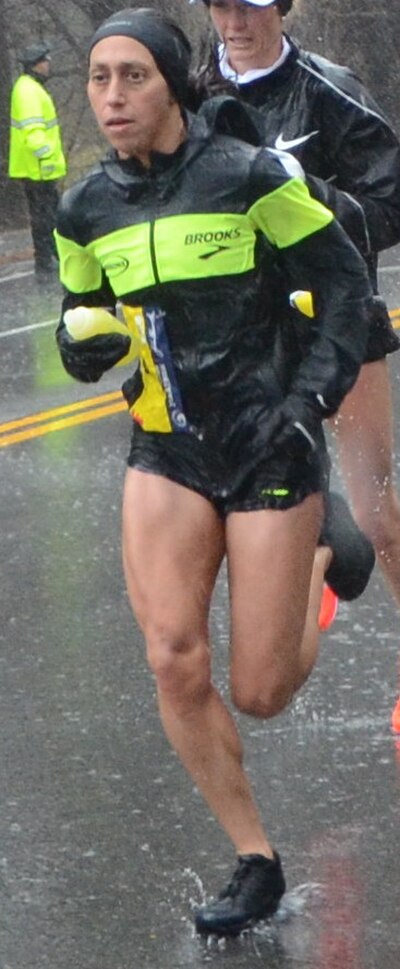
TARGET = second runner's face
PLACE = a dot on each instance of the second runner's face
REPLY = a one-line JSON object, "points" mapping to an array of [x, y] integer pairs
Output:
{"points": [[252, 35], [130, 99]]}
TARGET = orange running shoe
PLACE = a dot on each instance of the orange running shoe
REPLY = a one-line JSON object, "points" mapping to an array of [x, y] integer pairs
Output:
{"points": [[328, 610], [396, 717]]}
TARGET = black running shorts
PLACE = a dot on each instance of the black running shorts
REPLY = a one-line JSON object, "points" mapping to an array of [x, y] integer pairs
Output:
{"points": [[200, 466]]}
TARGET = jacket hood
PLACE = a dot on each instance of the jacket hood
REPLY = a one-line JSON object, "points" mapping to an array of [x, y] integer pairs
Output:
{"points": [[226, 115]]}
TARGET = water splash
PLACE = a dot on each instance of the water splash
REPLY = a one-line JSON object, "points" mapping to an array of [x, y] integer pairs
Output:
{"points": [[195, 878], [295, 901]]}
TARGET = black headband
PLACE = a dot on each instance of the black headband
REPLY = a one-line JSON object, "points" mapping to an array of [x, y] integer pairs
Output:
{"points": [[163, 38]]}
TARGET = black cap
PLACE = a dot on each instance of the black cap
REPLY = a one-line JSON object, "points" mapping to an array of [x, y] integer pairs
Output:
{"points": [[34, 54], [161, 35]]}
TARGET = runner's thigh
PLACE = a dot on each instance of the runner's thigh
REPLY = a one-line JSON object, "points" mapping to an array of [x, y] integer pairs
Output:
{"points": [[270, 559], [364, 431], [173, 544]]}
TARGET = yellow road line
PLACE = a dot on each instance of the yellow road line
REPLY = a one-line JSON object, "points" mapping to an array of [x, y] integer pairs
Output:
{"points": [[83, 418], [395, 318], [49, 421], [57, 411]]}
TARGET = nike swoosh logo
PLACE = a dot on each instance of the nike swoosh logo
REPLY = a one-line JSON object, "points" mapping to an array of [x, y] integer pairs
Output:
{"points": [[207, 255], [282, 145]]}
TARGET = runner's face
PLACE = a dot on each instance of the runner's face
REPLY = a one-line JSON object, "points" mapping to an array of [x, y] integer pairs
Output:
{"points": [[131, 100], [252, 35]]}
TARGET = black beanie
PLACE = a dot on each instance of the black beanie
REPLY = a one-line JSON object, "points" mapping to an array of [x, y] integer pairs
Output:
{"points": [[163, 38]]}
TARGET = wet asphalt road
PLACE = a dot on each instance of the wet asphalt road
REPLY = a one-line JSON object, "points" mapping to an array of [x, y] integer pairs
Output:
{"points": [[104, 845]]}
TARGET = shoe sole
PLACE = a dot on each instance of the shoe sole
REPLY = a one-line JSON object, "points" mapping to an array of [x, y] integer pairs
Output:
{"points": [[235, 930]]}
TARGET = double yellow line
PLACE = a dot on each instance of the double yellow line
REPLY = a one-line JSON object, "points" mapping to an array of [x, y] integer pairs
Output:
{"points": [[57, 419], [80, 412]]}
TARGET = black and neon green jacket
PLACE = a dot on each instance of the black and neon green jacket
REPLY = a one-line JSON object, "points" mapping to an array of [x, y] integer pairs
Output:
{"points": [[210, 241]]}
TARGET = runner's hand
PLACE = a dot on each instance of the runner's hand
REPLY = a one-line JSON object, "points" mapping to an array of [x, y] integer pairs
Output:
{"points": [[294, 427], [91, 340], [293, 430]]}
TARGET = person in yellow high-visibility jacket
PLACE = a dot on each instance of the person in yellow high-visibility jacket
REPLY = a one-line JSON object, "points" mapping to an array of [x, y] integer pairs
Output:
{"points": [[36, 153]]}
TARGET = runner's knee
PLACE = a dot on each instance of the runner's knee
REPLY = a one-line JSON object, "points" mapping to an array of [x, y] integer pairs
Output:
{"points": [[180, 662], [263, 697]]}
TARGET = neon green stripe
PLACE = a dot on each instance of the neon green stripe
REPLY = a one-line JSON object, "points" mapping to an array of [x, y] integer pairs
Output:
{"points": [[194, 246], [186, 247], [289, 214]]}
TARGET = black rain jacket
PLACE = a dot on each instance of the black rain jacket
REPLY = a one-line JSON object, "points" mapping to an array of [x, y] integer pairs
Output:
{"points": [[322, 113], [227, 329]]}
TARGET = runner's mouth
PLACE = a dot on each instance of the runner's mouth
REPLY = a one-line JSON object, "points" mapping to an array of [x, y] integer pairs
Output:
{"points": [[240, 41], [118, 122]]}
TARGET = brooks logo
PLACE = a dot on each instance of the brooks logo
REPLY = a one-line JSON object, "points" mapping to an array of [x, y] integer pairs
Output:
{"points": [[222, 235]]}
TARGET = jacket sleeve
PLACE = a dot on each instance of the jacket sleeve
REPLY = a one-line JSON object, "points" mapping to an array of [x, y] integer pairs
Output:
{"points": [[364, 154], [84, 282], [329, 265], [316, 254]]}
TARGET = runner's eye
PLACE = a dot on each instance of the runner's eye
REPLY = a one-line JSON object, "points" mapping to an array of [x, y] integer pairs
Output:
{"points": [[135, 76], [98, 77]]}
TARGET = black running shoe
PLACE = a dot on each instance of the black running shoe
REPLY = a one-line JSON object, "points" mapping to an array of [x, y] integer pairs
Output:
{"points": [[253, 893], [353, 553]]}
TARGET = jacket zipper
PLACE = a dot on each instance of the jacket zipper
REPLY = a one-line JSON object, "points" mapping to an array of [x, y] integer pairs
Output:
{"points": [[153, 256]]}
